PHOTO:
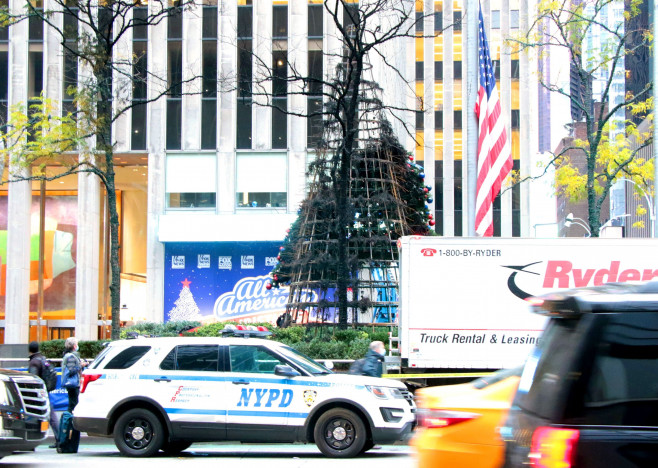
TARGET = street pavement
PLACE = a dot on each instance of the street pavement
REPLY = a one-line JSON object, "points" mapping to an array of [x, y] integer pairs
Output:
{"points": [[100, 452]]}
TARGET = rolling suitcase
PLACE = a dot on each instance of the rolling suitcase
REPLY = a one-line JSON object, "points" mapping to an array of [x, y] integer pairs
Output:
{"points": [[69, 437]]}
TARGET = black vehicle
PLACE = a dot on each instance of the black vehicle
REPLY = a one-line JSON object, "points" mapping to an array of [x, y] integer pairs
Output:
{"points": [[24, 412], [588, 395]]}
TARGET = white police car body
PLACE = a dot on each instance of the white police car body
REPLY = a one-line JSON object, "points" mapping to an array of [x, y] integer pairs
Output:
{"points": [[167, 393]]}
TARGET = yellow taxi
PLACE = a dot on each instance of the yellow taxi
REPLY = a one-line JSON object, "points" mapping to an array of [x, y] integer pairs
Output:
{"points": [[458, 424]]}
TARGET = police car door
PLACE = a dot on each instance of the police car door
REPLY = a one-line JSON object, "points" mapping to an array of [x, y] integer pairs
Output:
{"points": [[191, 391], [259, 402]]}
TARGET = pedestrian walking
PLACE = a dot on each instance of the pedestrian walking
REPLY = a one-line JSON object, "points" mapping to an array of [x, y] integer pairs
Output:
{"points": [[372, 365], [72, 366], [43, 369]]}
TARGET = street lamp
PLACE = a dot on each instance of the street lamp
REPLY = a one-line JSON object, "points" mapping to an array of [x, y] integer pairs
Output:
{"points": [[571, 219], [651, 208]]}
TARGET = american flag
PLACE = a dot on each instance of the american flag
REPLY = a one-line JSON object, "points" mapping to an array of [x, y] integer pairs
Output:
{"points": [[494, 155]]}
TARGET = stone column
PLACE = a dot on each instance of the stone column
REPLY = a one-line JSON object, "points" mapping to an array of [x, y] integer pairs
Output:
{"points": [[227, 101], [17, 302], [298, 58], [192, 53], [261, 127], [88, 240], [156, 144]]}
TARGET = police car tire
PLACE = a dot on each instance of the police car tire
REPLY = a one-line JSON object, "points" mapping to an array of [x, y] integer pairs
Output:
{"points": [[138, 433], [340, 433]]}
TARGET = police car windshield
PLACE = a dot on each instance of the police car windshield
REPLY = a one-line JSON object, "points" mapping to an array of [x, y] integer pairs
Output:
{"points": [[303, 361]]}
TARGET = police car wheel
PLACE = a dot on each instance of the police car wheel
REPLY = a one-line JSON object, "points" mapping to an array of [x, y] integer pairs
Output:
{"points": [[340, 433], [138, 433]]}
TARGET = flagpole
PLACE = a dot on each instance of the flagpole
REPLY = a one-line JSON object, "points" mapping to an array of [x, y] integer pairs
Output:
{"points": [[472, 66]]}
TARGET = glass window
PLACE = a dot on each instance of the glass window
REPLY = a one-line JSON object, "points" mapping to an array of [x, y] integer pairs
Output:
{"points": [[314, 122], [438, 21], [175, 67], [208, 123], [174, 118], [315, 72], [279, 72], [139, 70], [515, 69], [420, 120], [209, 28], [438, 119], [495, 19], [420, 71], [4, 75], [127, 357], [253, 360], [315, 20], [203, 358], [457, 64], [36, 26], [457, 20], [516, 118], [279, 123], [35, 79], [261, 180], [514, 19], [420, 26], [245, 17], [175, 25], [438, 71], [191, 181], [243, 124], [458, 119], [279, 21], [138, 135], [140, 17], [209, 68]]}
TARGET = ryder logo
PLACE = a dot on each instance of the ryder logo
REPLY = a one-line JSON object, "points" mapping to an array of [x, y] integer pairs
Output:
{"points": [[561, 274]]}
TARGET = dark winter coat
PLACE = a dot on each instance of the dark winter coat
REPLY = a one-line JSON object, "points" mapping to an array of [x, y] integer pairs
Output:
{"points": [[35, 365], [373, 364]]}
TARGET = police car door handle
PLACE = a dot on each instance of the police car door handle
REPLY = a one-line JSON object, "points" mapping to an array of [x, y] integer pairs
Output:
{"points": [[240, 382], [162, 379]]}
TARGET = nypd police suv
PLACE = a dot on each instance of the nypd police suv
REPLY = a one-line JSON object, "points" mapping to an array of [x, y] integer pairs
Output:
{"points": [[167, 393]]}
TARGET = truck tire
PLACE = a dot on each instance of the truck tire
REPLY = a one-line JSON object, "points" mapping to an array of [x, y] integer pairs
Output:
{"points": [[175, 447], [340, 433], [138, 433]]}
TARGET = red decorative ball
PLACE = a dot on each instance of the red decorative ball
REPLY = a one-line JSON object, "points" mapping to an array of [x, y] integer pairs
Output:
{"points": [[268, 286], [275, 278], [430, 216], [278, 257], [432, 222], [411, 158], [281, 248], [425, 190]]}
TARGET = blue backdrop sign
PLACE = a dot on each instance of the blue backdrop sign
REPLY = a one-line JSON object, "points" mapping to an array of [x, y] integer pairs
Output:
{"points": [[221, 281]]}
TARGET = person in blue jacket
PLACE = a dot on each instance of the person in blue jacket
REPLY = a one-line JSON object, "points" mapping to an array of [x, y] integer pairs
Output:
{"points": [[374, 359]]}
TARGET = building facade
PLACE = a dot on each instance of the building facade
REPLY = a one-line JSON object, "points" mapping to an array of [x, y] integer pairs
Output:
{"points": [[209, 178]]}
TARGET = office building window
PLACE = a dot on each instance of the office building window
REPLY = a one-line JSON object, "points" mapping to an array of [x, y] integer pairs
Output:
{"points": [[457, 68], [458, 119], [514, 19], [191, 181], [457, 15], [244, 101], [35, 23], [495, 19], [315, 25], [261, 180], [515, 70], [174, 78], [314, 101], [420, 71], [516, 119], [420, 26], [209, 67], [280, 22], [438, 119], [140, 39], [438, 21], [438, 71], [420, 120], [70, 59]]}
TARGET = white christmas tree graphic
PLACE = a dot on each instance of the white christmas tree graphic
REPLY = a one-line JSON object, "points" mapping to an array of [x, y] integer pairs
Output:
{"points": [[185, 307]]}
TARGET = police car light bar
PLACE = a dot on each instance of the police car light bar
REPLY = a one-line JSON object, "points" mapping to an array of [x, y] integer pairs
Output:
{"points": [[245, 331]]}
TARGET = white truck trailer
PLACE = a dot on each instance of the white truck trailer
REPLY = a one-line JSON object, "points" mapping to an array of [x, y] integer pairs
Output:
{"points": [[462, 299]]}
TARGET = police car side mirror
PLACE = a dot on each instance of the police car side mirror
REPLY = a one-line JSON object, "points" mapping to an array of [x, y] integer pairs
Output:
{"points": [[285, 371]]}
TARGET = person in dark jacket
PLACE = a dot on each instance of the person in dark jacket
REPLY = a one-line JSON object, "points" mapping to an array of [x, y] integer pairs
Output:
{"points": [[374, 358], [35, 366]]}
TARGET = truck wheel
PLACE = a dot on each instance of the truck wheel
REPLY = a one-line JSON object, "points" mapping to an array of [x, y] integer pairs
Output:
{"points": [[340, 433], [368, 445], [138, 433], [175, 447]]}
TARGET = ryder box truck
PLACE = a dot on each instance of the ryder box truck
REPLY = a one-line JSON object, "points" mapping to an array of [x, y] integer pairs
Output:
{"points": [[462, 300]]}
